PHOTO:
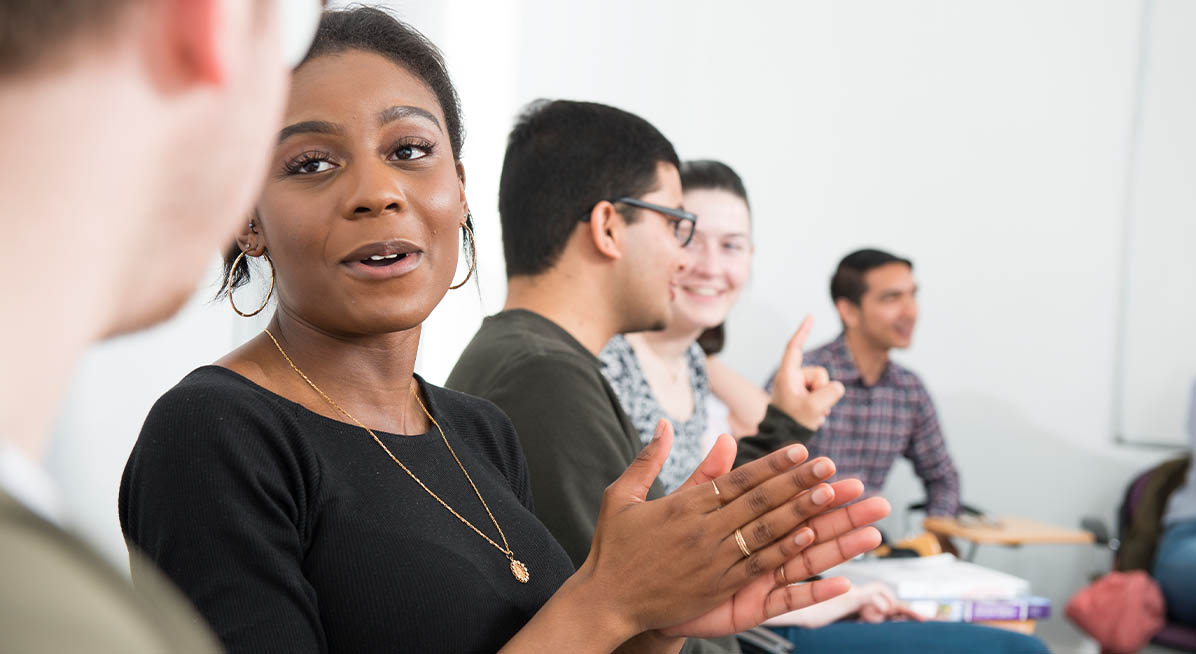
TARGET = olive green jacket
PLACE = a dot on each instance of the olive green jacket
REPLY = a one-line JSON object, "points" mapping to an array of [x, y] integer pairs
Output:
{"points": [[58, 595]]}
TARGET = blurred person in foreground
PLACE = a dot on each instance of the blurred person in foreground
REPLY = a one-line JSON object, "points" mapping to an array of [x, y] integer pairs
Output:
{"points": [[138, 132]]}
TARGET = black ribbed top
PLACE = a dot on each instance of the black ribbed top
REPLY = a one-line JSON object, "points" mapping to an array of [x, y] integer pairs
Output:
{"points": [[292, 532]]}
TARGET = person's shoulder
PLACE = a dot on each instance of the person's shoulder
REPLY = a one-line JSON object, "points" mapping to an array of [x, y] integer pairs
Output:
{"points": [[48, 571], [615, 350], [508, 351], [215, 390], [822, 355], [522, 334], [905, 378], [617, 360], [213, 403], [212, 381], [463, 406]]}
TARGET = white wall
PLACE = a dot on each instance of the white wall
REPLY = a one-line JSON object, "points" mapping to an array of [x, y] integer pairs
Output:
{"points": [[986, 140], [1160, 271]]}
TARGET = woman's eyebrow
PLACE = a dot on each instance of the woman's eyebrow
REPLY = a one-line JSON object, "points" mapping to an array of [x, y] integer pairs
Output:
{"points": [[308, 127], [403, 111]]}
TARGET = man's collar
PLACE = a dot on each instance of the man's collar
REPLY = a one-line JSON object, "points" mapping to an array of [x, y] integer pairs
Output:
{"points": [[846, 370], [844, 361]]}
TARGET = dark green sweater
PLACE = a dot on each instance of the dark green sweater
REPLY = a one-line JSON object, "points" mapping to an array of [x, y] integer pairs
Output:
{"points": [[575, 435]]}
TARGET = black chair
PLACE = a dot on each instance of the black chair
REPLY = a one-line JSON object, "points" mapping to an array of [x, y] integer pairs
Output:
{"points": [[1173, 634]]}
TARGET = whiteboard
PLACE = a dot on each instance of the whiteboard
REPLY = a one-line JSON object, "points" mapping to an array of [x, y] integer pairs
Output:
{"points": [[1157, 357]]}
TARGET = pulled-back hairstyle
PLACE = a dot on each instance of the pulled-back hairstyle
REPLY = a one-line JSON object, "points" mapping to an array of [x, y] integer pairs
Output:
{"points": [[369, 29], [562, 158]]}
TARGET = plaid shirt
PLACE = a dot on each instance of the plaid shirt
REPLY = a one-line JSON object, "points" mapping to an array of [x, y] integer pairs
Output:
{"points": [[873, 425]]}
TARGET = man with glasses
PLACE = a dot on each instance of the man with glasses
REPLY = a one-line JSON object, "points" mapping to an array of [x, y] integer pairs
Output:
{"points": [[593, 233], [143, 128]]}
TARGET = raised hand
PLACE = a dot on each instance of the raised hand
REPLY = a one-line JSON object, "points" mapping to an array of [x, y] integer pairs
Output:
{"points": [[806, 394]]}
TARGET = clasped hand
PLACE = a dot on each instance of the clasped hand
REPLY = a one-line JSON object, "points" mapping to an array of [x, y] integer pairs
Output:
{"points": [[674, 564]]}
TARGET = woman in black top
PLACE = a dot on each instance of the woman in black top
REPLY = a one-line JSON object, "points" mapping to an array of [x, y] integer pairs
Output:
{"points": [[310, 493]]}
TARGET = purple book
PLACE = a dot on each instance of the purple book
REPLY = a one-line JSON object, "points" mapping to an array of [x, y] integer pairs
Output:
{"points": [[967, 610]]}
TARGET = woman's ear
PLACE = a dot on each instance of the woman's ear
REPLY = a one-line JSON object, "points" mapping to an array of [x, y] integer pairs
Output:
{"points": [[251, 240], [461, 185]]}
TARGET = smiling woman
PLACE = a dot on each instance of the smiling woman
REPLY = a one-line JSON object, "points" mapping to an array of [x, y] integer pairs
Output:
{"points": [[310, 493]]}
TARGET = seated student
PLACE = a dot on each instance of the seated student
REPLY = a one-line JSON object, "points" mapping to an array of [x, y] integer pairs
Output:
{"points": [[663, 374], [1175, 558], [593, 235], [886, 411], [258, 487]]}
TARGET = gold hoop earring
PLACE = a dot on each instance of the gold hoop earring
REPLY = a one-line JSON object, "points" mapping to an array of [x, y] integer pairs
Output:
{"points": [[228, 287], [473, 263]]}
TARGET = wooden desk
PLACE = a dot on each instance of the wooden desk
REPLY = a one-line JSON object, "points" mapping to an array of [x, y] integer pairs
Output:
{"points": [[1020, 626], [1010, 531]]}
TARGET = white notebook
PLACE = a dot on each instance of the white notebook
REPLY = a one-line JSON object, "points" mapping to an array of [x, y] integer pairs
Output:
{"points": [[934, 577]]}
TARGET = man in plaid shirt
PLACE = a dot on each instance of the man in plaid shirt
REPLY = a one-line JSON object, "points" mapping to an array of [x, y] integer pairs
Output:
{"points": [[886, 411]]}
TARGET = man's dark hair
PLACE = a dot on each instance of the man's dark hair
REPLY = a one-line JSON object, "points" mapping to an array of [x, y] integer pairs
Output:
{"points": [[848, 280], [369, 29], [708, 174], [563, 157], [33, 30]]}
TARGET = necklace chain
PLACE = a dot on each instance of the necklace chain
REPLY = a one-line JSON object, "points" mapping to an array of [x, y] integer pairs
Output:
{"points": [[517, 568]]}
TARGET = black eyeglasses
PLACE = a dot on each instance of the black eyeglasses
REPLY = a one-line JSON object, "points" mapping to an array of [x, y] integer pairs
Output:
{"points": [[684, 222]]}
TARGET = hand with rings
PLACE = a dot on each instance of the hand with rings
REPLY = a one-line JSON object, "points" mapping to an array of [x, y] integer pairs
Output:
{"points": [[704, 560]]}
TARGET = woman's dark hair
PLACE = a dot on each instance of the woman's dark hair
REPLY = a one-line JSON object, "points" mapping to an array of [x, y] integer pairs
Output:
{"points": [[712, 340], [370, 29], [702, 174]]}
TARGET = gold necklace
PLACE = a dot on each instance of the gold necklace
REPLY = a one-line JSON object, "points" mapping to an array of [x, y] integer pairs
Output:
{"points": [[518, 569]]}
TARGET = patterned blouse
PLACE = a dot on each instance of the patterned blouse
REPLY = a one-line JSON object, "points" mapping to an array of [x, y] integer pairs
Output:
{"points": [[622, 369]]}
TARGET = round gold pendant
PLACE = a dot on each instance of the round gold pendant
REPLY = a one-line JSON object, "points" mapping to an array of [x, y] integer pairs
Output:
{"points": [[520, 571]]}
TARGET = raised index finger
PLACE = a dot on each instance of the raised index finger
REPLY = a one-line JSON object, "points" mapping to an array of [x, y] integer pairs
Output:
{"points": [[793, 351]]}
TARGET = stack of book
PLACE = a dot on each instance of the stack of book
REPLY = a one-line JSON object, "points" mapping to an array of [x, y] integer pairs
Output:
{"points": [[942, 587]]}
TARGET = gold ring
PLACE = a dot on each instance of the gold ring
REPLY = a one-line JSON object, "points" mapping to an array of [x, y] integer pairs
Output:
{"points": [[783, 577], [715, 487], [742, 544]]}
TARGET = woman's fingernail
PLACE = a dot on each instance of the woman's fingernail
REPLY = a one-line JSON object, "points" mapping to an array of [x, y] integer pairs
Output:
{"points": [[823, 469], [795, 453], [804, 537], [821, 495]]}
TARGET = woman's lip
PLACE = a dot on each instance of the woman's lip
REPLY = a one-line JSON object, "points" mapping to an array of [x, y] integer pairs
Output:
{"points": [[381, 249], [400, 267], [703, 297]]}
